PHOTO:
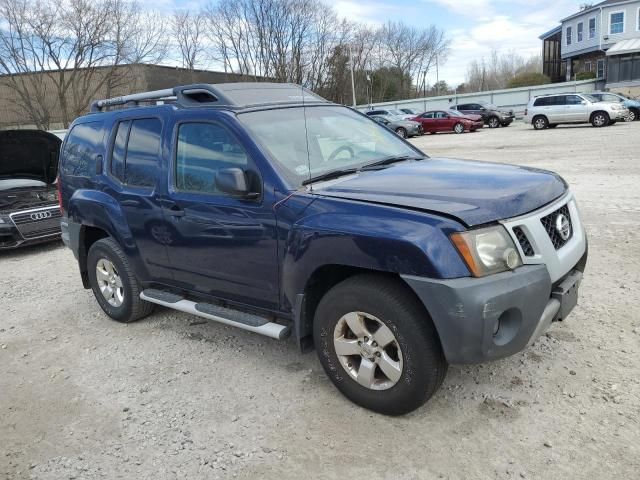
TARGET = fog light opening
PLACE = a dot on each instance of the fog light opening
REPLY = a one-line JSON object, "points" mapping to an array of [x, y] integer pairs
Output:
{"points": [[496, 328]]}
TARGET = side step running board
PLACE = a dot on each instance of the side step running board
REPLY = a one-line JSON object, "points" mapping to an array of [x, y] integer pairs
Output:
{"points": [[235, 318]]}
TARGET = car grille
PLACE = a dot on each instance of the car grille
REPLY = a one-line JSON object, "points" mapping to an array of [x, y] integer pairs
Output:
{"points": [[37, 223], [527, 249], [549, 224]]}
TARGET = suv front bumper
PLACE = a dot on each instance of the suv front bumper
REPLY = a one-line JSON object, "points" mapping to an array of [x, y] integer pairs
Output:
{"points": [[481, 319]]}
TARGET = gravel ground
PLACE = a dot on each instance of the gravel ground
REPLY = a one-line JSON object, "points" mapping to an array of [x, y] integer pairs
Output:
{"points": [[85, 397]]}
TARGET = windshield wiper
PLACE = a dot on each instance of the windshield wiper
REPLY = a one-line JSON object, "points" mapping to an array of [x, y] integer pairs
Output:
{"points": [[370, 166], [330, 175], [390, 160]]}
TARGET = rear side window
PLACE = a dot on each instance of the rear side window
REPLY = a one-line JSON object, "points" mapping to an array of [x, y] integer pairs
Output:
{"points": [[141, 164], [120, 150], [134, 159], [542, 102], [573, 100], [81, 149]]}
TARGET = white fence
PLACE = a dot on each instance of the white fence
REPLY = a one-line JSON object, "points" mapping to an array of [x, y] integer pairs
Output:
{"points": [[515, 99]]}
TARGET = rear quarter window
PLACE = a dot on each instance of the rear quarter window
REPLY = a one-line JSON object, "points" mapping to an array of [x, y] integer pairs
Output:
{"points": [[83, 145], [541, 102]]}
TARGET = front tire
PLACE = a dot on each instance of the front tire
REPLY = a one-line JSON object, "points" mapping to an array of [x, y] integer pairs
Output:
{"points": [[458, 128], [378, 345], [600, 119], [402, 132], [114, 283], [494, 122]]}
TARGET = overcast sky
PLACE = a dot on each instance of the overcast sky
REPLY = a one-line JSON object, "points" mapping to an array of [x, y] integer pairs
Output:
{"points": [[474, 26]]}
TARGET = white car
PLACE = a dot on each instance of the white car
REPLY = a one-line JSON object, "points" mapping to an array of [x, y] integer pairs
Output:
{"points": [[549, 111]]}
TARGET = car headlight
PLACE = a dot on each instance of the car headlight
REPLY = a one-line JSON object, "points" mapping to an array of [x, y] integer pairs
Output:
{"points": [[616, 107], [487, 250]]}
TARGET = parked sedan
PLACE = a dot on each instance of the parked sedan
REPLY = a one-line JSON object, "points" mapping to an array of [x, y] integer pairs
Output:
{"points": [[440, 121], [404, 128]]}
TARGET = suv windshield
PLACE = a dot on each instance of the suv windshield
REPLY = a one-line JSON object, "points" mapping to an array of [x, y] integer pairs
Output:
{"points": [[312, 141]]}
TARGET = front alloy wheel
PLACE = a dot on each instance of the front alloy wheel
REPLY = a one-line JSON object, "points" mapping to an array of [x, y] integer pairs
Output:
{"points": [[458, 128], [402, 132], [368, 351], [494, 122], [600, 119], [378, 345]]}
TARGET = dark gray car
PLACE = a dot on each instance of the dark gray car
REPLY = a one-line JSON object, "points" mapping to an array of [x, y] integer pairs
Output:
{"points": [[404, 128]]}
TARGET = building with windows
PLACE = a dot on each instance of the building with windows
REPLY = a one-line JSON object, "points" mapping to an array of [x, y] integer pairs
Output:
{"points": [[602, 40]]}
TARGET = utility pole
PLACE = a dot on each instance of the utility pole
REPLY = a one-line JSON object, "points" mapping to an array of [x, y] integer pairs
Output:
{"points": [[353, 82]]}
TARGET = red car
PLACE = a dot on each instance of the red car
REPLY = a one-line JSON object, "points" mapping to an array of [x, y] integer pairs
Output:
{"points": [[450, 121]]}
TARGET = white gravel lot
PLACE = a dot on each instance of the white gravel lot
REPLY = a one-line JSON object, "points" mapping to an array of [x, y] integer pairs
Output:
{"points": [[84, 397]]}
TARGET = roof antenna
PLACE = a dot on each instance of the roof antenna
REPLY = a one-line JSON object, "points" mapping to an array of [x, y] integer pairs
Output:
{"points": [[306, 135]]}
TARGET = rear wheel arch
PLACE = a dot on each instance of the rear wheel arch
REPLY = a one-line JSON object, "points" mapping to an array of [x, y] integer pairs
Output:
{"points": [[88, 236]]}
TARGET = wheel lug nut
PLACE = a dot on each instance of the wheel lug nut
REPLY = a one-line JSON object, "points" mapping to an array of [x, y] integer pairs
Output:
{"points": [[375, 344], [366, 339], [378, 354], [359, 343]]}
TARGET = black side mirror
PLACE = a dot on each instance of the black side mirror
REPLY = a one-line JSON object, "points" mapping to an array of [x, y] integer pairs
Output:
{"points": [[234, 182]]}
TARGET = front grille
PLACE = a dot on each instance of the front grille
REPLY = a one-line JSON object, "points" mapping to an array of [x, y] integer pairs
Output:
{"points": [[549, 224], [527, 249], [37, 223]]}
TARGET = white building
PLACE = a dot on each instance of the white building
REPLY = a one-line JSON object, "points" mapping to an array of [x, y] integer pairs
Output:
{"points": [[603, 40]]}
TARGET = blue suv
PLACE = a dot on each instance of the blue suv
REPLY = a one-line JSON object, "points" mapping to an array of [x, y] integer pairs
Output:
{"points": [[266, 207]]}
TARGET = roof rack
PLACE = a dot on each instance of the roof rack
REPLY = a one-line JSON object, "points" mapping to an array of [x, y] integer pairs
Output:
{"points": [[235, 95], [184, 96]]}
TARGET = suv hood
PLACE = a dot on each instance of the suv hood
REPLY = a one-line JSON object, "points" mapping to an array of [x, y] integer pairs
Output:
{"points": [[29, 154], [473, 192]]}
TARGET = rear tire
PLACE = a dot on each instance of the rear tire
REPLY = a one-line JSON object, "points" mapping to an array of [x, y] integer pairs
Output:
{"points": [[633, 115], [600, 119], [540, 122], [114, 283], [382, 310]]}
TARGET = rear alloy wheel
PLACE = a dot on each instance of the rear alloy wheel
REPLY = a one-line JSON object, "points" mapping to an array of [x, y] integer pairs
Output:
{"points": [[458, 128], [600, 119], [402, 132], [114, 283], [540, 123], [494, 122]]}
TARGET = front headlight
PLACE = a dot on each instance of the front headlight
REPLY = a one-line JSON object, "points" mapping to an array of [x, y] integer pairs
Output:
{"points": [[616, 107], [487, 250]]}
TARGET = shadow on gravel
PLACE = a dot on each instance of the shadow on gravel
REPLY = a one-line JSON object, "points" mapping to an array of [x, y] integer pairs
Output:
{"points": [[22, 252]]}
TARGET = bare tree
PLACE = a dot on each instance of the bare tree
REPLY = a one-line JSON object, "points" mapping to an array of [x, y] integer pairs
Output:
{"points": [[496, 71], [57, 56], [187, 29]]}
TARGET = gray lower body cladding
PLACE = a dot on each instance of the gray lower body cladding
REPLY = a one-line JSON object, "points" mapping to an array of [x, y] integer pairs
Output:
{"points": [[480, 319]]}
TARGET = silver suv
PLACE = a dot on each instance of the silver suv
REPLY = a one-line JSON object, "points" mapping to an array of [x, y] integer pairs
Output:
{"points": [[549, 111]]}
